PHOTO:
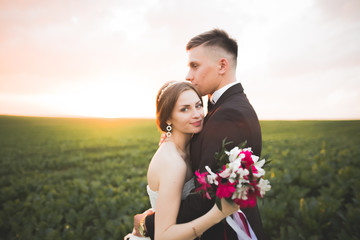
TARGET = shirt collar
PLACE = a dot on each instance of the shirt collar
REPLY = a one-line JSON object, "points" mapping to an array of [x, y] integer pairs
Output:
{"points": [[217, 94]]}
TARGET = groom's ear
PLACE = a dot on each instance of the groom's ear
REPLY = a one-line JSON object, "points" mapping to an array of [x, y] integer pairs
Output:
{"points": [[223, 65]]}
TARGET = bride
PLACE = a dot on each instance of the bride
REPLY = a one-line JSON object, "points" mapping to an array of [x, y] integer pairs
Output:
{"points": [[179, 113]]}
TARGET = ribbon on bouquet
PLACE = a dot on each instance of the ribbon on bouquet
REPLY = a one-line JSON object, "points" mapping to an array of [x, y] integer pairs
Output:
{"points": [[239, 223]]}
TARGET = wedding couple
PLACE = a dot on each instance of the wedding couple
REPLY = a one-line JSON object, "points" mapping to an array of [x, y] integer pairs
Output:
{"points": [[191, 143]]}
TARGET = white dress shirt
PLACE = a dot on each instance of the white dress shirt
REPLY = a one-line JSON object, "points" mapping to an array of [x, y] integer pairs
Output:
{"points": [[217, 94]]}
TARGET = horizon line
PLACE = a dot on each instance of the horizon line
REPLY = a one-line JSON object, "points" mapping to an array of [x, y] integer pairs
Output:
{"points": [[153, 118]]}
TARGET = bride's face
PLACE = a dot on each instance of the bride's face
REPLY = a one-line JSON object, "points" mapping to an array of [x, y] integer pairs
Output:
{"points": [[188, 113]]}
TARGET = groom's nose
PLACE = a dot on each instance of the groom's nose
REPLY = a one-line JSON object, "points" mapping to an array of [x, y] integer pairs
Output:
{"points": [[189, 76]]}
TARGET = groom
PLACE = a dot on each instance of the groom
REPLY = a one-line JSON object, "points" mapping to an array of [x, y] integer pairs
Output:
{"points": [[212, 63]]}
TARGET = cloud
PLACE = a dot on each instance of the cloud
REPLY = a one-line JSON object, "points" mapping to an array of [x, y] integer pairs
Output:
{"points": [[338, 9], [73, 46]]}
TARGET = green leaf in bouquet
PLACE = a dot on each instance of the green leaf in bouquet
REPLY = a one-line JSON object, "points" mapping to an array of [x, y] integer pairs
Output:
{"points": [[267, 158], [242, 145], [222, 156], [218, 203], [251, 176], [258, 180]]}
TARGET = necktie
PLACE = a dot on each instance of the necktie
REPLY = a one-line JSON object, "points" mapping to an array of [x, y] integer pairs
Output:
{"points": [[209, 105]]}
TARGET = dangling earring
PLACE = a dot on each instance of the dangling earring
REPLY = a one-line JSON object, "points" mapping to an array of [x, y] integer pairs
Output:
{"points": [[168, 129]]}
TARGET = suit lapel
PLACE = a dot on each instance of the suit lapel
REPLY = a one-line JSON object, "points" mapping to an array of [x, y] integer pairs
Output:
{"points": [[197, 138], [237, 88]]}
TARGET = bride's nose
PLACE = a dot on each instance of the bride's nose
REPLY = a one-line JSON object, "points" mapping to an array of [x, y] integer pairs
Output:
{"points": [[196, 113]]}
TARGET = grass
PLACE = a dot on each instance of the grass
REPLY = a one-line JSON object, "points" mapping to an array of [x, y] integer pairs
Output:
{"points": [[63, 178]]}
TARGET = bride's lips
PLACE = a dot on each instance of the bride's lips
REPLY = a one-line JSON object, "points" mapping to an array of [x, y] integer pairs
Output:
{"points": [[197, 124]]}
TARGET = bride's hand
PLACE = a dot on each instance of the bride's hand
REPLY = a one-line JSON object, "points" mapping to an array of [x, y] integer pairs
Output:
{"points": [[228, 208]]}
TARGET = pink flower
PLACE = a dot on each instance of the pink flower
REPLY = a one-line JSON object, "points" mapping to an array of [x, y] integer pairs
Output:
{"points": [[250, 202], [251, 199], [254, 169], [247, 160], [204, 189], [225, 190], [233, 179], [201, 177]]}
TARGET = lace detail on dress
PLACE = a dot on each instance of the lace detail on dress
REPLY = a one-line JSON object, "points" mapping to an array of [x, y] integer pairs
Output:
{"points": [[188, 186]]}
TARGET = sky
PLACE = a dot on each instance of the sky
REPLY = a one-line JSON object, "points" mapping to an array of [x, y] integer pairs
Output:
{"points": [[297, 60]]}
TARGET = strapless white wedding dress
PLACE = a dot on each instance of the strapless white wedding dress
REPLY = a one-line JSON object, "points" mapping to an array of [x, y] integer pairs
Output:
{"points": [[234, 221], [188, 186]]}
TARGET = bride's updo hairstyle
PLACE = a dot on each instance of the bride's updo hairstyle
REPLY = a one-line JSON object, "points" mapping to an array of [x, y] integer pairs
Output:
{"points": [[166, 100]]}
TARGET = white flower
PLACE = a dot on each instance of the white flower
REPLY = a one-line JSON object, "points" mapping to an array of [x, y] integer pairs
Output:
{"points": [[264, 185], [232, 178], [254, 158], [212, 176], [261, 172], [234, 171], [226, 173], [230, 171], [233, 154], [247, 149], [258, 165], [241, 190], [234, 166], [242, 172]]}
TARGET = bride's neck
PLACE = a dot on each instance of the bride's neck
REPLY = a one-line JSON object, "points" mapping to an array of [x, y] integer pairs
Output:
{"points": [[181, 141]]}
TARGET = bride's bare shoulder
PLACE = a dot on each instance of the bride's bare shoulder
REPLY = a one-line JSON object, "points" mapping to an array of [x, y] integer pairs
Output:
{"points": [[166, 163], [168, 154]]}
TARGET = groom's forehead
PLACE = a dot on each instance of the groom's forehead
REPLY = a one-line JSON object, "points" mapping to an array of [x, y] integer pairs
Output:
{"points": [[201, 53], [197, 51]]}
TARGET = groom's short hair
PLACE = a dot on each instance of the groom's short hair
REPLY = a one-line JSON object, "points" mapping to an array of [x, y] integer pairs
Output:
{"points": [[216, 37]]}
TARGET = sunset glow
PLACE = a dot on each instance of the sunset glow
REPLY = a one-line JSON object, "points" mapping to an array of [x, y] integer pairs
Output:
{"points": [[297, 59]]}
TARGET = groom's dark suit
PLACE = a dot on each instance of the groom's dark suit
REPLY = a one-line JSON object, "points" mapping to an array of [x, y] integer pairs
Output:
{"points": [[234, 118]]}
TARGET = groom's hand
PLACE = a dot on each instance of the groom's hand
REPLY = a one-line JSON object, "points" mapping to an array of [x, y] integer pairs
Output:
{"points": [[137, 220], [162, 138]]}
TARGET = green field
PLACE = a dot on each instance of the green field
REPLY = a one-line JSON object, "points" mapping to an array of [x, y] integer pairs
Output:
{"points": [[86, 178]]}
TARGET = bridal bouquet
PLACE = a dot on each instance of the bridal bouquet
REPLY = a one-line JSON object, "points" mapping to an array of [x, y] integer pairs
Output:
{"points": [[239, 177]]}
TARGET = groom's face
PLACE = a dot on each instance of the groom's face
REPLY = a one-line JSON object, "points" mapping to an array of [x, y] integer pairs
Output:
{"points": [[203, 70]]}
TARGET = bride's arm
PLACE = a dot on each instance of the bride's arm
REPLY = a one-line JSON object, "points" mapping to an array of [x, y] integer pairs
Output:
{"points": [[168, 203]]}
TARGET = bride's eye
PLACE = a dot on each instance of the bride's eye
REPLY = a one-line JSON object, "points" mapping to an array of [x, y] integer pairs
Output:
{"points": [[199, 105], [184, 109]]}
